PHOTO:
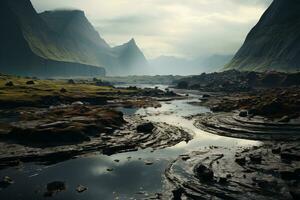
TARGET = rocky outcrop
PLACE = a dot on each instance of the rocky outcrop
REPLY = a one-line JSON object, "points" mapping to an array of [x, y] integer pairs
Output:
{"points": [[220, 173]]}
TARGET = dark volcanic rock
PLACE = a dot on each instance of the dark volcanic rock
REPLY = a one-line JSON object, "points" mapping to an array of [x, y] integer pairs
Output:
{"points": [[241, 161], [243, 114], [55, 187], [204, 173], [145, 128]]}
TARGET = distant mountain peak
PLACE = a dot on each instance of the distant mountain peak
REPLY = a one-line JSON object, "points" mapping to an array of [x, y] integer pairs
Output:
{"points": [[132, 41]]}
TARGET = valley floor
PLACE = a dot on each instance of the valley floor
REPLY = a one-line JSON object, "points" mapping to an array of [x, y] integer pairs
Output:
{"points": [[51, 121]]}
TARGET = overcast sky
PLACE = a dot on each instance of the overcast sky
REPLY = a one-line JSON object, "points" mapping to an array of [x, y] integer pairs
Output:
{"points": [[184, 28]]}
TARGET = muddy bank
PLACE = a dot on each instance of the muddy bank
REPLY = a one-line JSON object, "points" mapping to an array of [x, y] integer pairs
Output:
{"points": [[52, 140], [271, 171]]}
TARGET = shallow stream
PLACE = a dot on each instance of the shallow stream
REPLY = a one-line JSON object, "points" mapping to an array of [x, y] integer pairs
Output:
{"points": [[132, 175]]}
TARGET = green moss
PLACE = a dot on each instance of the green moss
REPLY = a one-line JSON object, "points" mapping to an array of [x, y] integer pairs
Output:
{"points": [[44, 88]]}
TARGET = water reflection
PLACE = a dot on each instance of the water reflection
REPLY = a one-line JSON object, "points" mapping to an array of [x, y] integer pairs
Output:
{"points": [[128, 178]]}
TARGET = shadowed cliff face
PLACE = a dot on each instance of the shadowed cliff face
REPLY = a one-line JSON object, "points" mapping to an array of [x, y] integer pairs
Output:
{"points": [[274, 43], [57, 43], [73, 23]]}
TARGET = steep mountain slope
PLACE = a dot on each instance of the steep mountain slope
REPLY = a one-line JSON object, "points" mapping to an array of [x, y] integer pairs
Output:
{"points": [[73, 23], [58, 43], [77, 33], [30, 47], [274, 43], [131, 58]]}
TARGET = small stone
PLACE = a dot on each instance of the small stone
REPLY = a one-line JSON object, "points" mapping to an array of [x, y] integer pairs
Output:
{"points": [[77, 103], [6, 181], [228, 176], [55, 187], [9, 84], [241, 161], [222, 180], [81, 188], [148, 162], [30, 83]]}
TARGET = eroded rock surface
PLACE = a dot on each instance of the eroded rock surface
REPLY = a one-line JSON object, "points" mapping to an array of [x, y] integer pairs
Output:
{"points": [[109, 137], [233, 125], [248, 173]]}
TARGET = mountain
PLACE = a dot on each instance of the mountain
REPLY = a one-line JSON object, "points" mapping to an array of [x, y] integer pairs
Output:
{"points": [[165, 65], [54, 43], [274, 43], [132, 57]]}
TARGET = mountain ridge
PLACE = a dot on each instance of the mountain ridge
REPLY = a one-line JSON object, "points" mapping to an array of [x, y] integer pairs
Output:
{"points": [[52, 41], [274, 42]]}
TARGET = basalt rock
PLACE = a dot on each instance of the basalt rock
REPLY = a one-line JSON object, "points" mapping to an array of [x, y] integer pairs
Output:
{"points": [[55, 187], [145, 128]]}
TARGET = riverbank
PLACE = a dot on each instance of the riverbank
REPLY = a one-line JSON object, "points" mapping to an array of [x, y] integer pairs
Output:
{"points": [[50, 121]]}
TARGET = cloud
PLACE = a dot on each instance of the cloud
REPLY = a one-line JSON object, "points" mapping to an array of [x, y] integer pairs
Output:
{"points": [[186, 28]]}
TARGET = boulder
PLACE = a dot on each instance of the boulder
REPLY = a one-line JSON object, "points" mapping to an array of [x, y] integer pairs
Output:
{"points": [[145, 128], [243, 113], [204, 173]]}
